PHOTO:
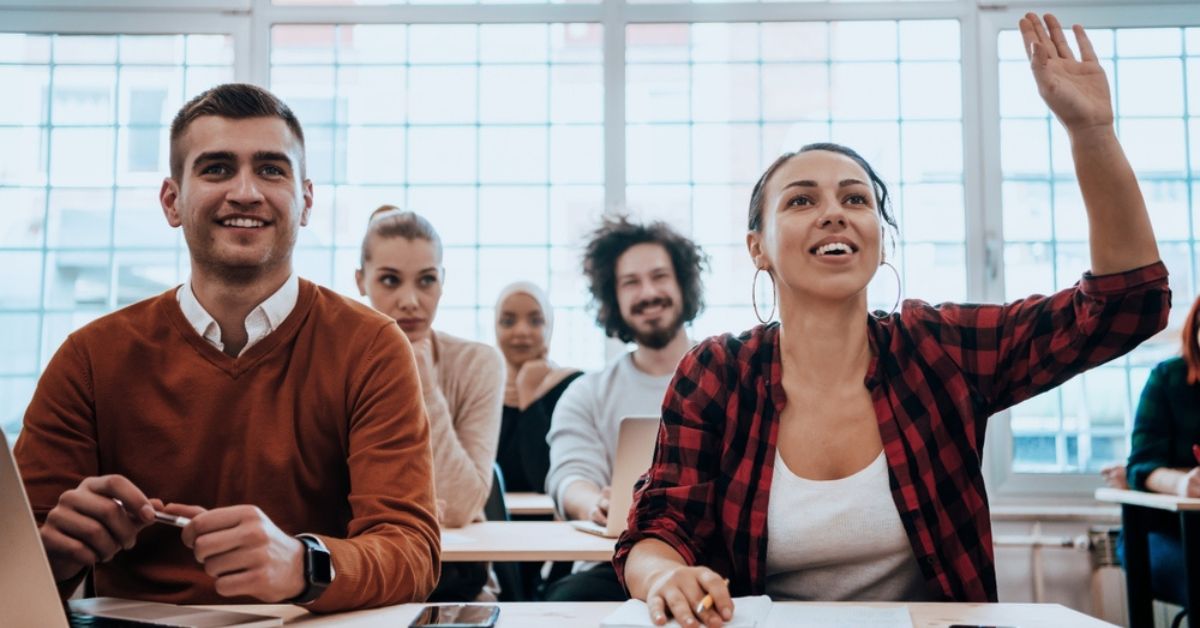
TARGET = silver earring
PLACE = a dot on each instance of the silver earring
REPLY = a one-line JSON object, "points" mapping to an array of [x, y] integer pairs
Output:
{"points": [[754, 297], [897, 304]]}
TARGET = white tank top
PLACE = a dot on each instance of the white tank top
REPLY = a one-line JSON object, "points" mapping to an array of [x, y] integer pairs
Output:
{"points": [[839, 540]]}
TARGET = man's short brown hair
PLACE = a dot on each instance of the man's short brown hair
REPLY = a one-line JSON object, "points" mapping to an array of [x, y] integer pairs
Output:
{"points": [[236, 101]]}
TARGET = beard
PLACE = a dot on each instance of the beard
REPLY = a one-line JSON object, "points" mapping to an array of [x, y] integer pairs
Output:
{"points": [[656, 336]]}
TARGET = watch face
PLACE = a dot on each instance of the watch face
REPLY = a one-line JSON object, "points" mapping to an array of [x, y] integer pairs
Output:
{"points": [[320, 570]]}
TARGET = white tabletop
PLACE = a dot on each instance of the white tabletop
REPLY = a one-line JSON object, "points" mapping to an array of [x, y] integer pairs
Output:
{"points": [[1149, 500], [584, 614], [523, 541]]}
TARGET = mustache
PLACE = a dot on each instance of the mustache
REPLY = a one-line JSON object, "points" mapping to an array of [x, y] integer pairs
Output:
{"points": [[640, 306]]}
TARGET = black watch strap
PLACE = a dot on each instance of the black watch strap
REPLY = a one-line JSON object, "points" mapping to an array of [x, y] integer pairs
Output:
{"points": [[318, 569]]}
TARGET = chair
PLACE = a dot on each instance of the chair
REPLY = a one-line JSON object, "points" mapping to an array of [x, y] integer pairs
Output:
{"points": [[507, 574]]}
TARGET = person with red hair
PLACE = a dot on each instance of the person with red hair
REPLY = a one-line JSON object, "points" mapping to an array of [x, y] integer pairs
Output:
{"points": [[1163, 455]]}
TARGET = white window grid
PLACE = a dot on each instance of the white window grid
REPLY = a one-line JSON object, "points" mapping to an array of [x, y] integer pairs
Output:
{"points": [[251, 21]]}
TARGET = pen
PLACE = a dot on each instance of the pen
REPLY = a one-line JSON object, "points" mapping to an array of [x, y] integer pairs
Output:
{"points": [[707, 602], [162, 517]]}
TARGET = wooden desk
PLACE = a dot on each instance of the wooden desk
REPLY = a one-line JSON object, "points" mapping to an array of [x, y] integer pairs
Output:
{"points": [[589, 614], [529, 504], [508, 541], [1136, 506]]}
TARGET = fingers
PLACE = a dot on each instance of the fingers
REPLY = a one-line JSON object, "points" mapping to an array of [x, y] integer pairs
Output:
{"points": [[658, 610], [214, 520], [101, 543], [681, 607], [216, 543], [1056, 36], [1086, 51], [182, 510], [715, 586], [1028, 33], [120, 488]]}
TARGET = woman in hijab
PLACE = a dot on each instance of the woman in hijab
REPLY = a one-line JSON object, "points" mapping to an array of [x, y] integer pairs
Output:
{"points": [[524, 321]]}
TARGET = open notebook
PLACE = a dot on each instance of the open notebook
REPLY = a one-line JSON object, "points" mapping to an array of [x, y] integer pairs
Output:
{"points": [[748, 612], [760, 612]]}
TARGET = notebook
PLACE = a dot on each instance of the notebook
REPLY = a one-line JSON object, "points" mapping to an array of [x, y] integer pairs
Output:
{"points": [[748, 612]]}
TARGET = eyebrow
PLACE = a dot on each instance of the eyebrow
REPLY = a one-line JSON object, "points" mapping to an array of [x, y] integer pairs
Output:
{"points": [[635, 274], [225, 155], [389, 269], [809, 183]]}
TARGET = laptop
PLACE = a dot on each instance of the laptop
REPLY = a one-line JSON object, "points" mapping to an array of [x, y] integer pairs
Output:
{"points": [[29, 596], [636, 438]]}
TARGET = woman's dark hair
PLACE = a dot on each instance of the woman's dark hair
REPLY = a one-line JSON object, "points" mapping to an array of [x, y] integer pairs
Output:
{"points": [[610, 241], [1191, 345], [882, 201], [390, 221]]}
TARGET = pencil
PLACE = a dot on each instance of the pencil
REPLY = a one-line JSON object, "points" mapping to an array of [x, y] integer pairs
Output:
{"points": [[707, 602]]}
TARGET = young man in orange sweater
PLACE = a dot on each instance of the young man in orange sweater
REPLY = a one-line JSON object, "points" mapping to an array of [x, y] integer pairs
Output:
{"points": [[283, 419]]}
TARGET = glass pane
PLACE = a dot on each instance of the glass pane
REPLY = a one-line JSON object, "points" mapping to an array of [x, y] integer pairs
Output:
{"points": [[15, 395], [18, 344], [76, 279], [576, 154], [20, 274], [82, 157], [140, 275], [34, 82], [80, 218], [24, 224], [512, 215]]}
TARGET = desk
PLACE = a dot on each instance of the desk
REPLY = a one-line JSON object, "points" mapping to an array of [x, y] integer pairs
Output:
{"points": [[529, 504], [514, 541], [589, 614], [1135, 505]]}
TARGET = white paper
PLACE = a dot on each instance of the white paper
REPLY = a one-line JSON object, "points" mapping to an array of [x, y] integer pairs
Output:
{"points": [[748, 612], [847, 616]]}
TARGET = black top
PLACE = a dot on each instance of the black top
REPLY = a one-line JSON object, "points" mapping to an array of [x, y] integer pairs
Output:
{"points": [[1167, 423], [523, 453]]}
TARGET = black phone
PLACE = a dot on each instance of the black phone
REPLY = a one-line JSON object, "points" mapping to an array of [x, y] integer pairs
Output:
{"points": [[457, 616]]}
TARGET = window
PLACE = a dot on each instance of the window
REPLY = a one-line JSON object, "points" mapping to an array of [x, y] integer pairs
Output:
{"points": [[85, 151], [493, 132], [1154, 72], [513, 124], [710, 106]]}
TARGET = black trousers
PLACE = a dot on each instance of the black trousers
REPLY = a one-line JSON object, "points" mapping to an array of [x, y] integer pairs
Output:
{"points": [[598, 584]]}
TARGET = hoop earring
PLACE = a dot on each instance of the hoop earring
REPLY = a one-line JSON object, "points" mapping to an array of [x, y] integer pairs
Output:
{"points": [[897, 304], [754, 297]]}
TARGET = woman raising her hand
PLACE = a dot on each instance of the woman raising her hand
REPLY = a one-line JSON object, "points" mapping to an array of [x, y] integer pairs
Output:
{"points": [[835, 454]]}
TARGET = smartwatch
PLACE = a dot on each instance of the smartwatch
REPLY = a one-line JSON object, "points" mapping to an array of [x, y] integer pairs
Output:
{"points": [[318, 569]]}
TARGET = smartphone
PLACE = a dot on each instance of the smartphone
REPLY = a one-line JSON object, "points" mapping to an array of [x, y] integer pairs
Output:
{"points": [[457, 616]]}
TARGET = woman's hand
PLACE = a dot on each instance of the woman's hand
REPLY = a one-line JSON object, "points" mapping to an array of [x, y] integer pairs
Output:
{"points": [[529, 378], [1114, 476], [678, 591], [1075, 90]]}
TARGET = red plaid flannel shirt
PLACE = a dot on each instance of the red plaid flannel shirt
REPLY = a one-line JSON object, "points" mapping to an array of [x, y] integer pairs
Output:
{"points": [[936, 375]]}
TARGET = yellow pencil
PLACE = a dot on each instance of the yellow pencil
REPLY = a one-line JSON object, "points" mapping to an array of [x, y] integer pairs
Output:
{"points": [[707, 602]]}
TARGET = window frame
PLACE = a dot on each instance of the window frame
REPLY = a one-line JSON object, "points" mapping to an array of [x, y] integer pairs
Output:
{"points": [[249, 23]]}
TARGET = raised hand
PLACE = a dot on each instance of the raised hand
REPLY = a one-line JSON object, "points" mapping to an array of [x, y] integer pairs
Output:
{"points": [[1075, 90]]}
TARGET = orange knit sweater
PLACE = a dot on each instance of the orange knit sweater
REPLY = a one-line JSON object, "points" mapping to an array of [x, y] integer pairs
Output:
{"points": [[320, 424]]}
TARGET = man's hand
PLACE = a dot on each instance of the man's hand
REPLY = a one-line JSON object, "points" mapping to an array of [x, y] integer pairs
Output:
{"points": [[89, 525], [245, 552], [599, 512]]}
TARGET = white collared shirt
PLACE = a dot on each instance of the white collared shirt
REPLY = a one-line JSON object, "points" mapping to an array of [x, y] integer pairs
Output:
{"points": [[261, 321]]}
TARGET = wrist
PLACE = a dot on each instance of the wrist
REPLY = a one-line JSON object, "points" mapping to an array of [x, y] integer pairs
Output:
{"points": [[1090, 135]]}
